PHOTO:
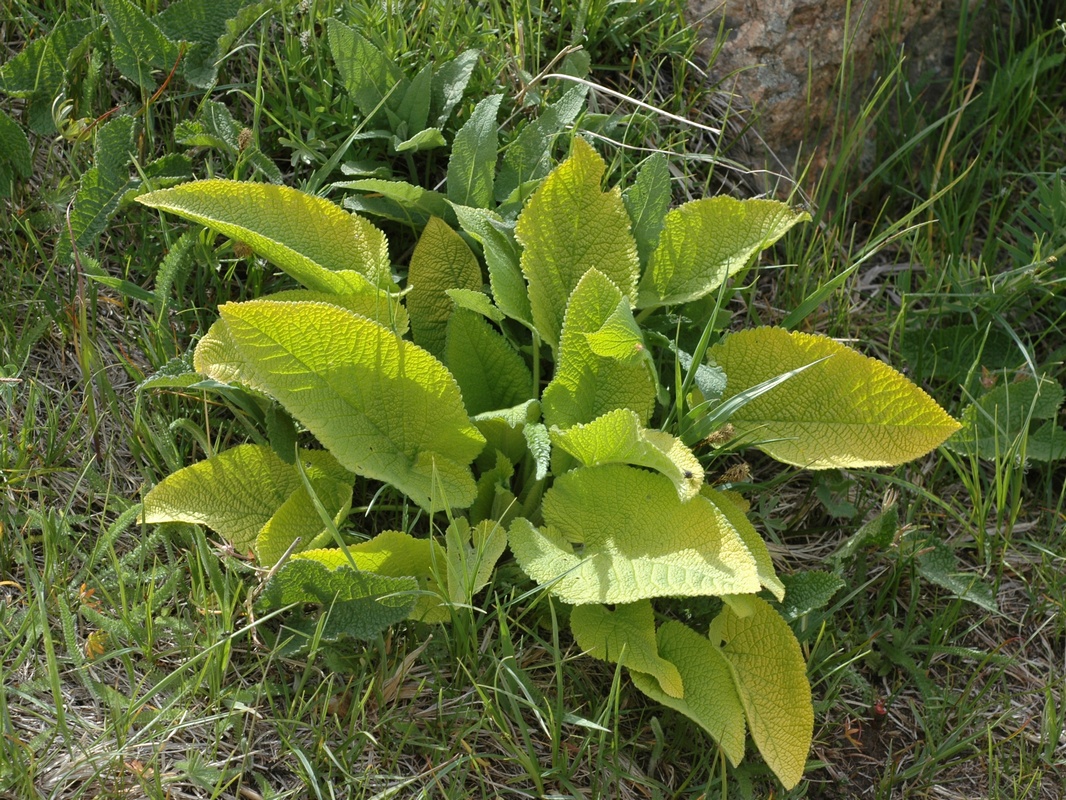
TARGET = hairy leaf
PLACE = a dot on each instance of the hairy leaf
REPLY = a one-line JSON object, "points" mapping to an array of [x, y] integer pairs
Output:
{"points": [[15, 159], [449, 83], [369, 75], [472, 166], [208, 26], [847, 411], [705, 241], [569, 227], [140, 47], [626, 636], [998, 420], [647, 202], [635, 540], [316, 242], [383, 406], [502, 260], [472, 555], [726, 502], [490, 373]]}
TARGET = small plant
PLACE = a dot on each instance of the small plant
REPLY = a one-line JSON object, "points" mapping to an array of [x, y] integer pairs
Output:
{"points": [[549, 414]]}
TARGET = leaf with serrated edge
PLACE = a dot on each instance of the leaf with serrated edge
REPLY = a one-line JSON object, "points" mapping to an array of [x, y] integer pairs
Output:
{"points": [[710, 694], [618, 437], [705, 241], [383, 406], [504, 428], [441, 261], [625, 635], [994, 423], [587, 385], [647, 202], [737, 517], [568, 227], [472, 166], [472, 555], [318, 243], [847, 411], [501, 258], [396, 554], [635, 539], [771, 679], [808, 591], [490, 373]]}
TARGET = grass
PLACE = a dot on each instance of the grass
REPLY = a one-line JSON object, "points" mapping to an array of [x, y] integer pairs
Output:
{"points": [[132, 664]]}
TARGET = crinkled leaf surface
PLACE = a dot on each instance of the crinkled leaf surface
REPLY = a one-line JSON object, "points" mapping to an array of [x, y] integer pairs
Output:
{"points": [[771, 679], [733, 511], [441, 261], [449, 83], [209, 26], [710, 697], [472, 555], [501, 258], [626, 635], [316, 242], [15, 158], [705, 241], [647, 202], [243, 489], [808, 591], [490, 373], [504, 428], [383, 406], [396, 554], [358, 605], [139, 46], [847, 411], [618, 437], [476, 301], [937, 563], [369, 75], [635, 540], [568, 227], [587, 385], [995, 422]]}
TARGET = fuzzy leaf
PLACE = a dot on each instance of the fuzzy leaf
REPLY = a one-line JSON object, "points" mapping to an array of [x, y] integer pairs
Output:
{"points": [[383, 406], [647, 202], [587, 385], [626, 635], [15, 159], [208, 26], [569, 227], [705, 241], [369, 75], [993, 424], [449, 83], [937, 563], [619, 437], [103, 186], [414, 105], [808, 591], [441, 261], [727, 503], [140, 47], [316, 242], [847, 411], [476, 301], [710, 697], [504, 429], [501, 258], [472, 555], [490, 373], [771, 679], [635, 540], [472, 166]]}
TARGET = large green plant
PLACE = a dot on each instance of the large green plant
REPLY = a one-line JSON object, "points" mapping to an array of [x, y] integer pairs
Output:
{"points": [[530, 397]]}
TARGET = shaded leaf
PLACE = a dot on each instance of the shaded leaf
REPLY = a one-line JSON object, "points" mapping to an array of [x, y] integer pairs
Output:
{"points": [[490, 373], [647, 202], [472, 166]]}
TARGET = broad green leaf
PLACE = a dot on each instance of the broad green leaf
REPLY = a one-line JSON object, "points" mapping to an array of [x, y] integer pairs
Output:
{"points": [[528, 157], [383, 406], [15, 159], [634, 538], [241, 490], [847, 411], [735, 513], [425, 139], [217, 357], [209, 26], [414, 105], [626, 635], [647, 202], [569, 227], [476, 301], [369, 301], [504, 429], [494, 483], [705, 241], [472, 555], [297, 524], [357, 605], [369, 75], [587, 385], [948, 354], [449, 83], [472, 166], [441, 261], [937, 563], [412, 198], [808, 591], [619, 437], [139, 46], [38, 73], [710, 697], [490, 373], [316, 242], [998, 420], [877, 534], [771, 679], [103, 187], [538, 441], [396, 554], [502, 260]]}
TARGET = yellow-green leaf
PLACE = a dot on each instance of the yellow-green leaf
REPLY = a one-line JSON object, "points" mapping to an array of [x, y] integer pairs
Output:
{"points": [[710, 697], [318, 243], [705, 241], [847, 411], [383, 406], [489, 371], [618, 534], [441, 261], [626, 636], [726, 503], [771, 680], [586, 384], [618, 437], [570, 226], [472, 555]]}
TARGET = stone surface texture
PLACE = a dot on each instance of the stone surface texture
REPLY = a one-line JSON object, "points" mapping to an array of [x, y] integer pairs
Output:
{"points": [[784, 59]]}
